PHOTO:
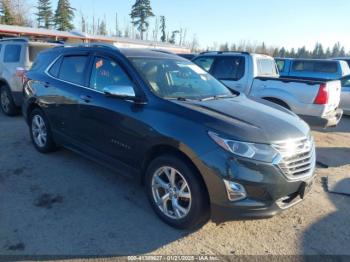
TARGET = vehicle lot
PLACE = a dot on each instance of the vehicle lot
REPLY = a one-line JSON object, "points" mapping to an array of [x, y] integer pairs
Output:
{"points": [[63, 204]]}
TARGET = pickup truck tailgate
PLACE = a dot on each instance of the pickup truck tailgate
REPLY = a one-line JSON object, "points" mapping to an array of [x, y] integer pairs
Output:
{"points": [[334, 91]]}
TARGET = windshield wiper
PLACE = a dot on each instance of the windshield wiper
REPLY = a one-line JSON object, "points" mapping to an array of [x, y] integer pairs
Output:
{"points": [[216, 97]]}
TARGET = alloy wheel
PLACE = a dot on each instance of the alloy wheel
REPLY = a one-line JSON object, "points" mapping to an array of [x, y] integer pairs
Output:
{"points": [[171, 192], [39, 131]]}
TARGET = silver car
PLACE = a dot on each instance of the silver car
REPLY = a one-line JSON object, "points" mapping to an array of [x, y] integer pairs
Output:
{"points": [[16, 57], [345, 95]]}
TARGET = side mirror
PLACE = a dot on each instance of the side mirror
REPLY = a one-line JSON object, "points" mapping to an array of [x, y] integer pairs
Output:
{"points": [[123, 92]]}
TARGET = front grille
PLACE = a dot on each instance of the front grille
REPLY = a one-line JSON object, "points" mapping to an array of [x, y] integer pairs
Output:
{"points": [[297, 157]]}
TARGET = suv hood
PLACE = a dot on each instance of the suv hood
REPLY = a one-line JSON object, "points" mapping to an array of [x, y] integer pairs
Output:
{"points": [[247, 120]]}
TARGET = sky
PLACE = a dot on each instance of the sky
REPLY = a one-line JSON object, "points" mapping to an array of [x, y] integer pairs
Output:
{"points": [[278, 23]]}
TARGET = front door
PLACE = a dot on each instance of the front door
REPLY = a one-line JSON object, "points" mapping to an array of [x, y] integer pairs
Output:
{"points": [[110, 125]]}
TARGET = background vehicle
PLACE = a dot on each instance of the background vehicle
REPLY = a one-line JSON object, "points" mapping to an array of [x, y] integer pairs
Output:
{"points": [[199, 149], [312, 68], [257, 76], [346, 59], [16, 56], [345, 95]]}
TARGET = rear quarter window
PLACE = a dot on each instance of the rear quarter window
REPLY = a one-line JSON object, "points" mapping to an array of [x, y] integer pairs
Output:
{"points": [[12, 53]]}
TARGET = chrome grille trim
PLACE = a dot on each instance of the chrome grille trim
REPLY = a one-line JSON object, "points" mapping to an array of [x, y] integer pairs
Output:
{"points": [[297, 158]]}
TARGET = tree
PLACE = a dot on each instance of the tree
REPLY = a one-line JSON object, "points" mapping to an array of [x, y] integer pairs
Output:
{"points": [[336, 50], [172, 39], [7, 16], [224, 47], [44, 15], [64, 15], [140, 12], [102, 28], [163, 28]]}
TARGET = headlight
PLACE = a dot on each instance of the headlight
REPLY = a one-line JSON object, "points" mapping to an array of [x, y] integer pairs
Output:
{"points": [[260, 152]]}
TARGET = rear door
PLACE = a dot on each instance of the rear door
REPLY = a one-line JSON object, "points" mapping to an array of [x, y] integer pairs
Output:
{"points": [[67, 77], [231, 71]]}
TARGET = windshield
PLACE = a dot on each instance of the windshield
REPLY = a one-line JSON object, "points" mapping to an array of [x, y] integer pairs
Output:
{"points": [[170, 78]]}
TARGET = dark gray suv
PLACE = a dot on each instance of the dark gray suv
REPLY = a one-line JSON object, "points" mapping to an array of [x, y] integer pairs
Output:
{"points": [[200, 149]]}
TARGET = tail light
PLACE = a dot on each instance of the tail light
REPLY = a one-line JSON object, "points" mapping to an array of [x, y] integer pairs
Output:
{"points": [[21, 73], [322, 95]]}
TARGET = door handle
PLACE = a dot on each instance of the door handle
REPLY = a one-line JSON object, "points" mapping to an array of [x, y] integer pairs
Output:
{"points": [[86, 98], [46, 84]]}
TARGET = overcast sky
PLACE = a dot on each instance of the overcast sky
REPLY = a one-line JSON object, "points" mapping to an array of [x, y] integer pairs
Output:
{"points": [[276, 22]]}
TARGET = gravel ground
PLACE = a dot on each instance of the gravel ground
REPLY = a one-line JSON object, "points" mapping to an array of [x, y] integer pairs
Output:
{"points": [[63, 204]]}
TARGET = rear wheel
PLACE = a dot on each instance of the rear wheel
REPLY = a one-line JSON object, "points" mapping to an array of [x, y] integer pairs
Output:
{"points": [[40, 132], [7, 104], [176, 193]]}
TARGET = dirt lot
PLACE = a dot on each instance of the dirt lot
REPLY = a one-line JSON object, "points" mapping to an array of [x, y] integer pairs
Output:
{"points": [[63, 204]]}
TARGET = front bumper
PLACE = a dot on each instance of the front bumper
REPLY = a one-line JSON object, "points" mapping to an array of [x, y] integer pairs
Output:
{"points": [[329, 120], [269, 192]]}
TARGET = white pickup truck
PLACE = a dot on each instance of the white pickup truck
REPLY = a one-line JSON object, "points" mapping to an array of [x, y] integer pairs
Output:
{"points": [[315, 101]]}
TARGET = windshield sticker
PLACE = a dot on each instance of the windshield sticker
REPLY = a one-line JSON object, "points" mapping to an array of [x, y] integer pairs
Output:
{"points": [[99, 64]]}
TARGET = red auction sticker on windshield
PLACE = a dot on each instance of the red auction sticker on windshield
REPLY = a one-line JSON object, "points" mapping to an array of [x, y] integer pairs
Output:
{"points": [[99, 64]]}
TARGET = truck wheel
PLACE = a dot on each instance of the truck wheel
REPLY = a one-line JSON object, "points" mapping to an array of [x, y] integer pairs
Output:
{"points": [[8, 106], [40, 132], [176, 193]]}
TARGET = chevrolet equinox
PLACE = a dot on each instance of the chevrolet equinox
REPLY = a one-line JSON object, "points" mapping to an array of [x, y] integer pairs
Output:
{"points": [[201, 150]]}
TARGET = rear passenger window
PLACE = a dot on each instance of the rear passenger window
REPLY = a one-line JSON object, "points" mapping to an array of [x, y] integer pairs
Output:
{"points": [[12, 53], [106, 72], [229, 68], [72, 69], [204, 62], [325, 67]]}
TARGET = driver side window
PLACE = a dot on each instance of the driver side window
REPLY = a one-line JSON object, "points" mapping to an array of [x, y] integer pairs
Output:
{"points": [[106, 72]]}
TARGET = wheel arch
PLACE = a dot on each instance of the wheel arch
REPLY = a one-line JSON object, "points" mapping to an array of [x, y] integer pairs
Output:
{"points": [[277, 101], [164, 149]]}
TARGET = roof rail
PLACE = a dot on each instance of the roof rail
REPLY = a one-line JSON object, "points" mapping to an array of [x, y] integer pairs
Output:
{"points": [[163, 51], [222, 52], [16, 39], [95, 44]]}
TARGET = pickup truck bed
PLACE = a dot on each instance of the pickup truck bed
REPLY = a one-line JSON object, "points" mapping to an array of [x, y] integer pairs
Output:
{"points": [[299, 96]]}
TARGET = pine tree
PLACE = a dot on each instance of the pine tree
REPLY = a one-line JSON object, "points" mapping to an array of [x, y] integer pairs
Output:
{"points": [[64, 15], [172, 39], [102, 30], [140, 12], [162, 28], [7, 17], [44, 15]]}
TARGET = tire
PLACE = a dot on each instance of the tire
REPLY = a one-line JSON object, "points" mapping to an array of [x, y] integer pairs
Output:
{"points": [[193, 199], [40, 132], [7, 103]]}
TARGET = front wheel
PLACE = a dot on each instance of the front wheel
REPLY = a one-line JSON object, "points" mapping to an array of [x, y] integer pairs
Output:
{"points": [[40, 132], [176, 193]]}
